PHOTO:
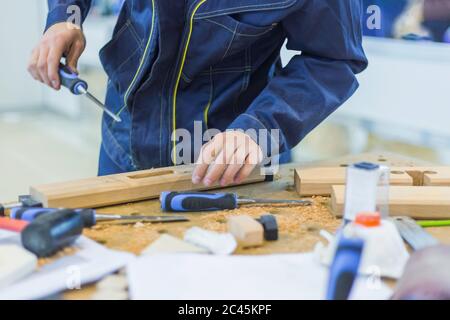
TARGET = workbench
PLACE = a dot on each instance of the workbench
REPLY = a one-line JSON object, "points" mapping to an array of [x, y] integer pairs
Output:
{"points": [[299, 227]]}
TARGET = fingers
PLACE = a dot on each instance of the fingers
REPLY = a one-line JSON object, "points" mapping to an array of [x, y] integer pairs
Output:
{"points": [[231, 143], [32, 65], [207, 155], [57, 41], [251, 162], [235, 164], [53, 60], [42, 65], [73, 55]]}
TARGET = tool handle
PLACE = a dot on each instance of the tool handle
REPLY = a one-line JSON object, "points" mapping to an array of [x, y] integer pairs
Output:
{"points": [[30, 214], [12, 225], [344, 268], [49, 233], [197, 201], [71, 81]]}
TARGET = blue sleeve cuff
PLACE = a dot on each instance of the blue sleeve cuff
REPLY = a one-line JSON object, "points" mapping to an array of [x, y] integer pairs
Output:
{"points": [[56, 15]]}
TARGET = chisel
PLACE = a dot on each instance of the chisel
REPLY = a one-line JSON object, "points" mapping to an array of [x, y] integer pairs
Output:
{"points": [[71, 81], [90, 217], [201, 201], [48, 233]]}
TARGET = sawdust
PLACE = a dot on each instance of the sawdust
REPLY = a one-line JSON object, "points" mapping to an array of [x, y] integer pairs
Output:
{"points": [[299, 228], [68, 251]]}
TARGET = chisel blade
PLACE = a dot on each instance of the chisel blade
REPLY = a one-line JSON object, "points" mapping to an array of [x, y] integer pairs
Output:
{"points": [[152, 219], [414, 234]]}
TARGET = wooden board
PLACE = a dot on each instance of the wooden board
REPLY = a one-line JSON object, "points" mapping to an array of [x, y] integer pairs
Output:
{"points": [[414, 201], [121, 188], [319, 180]]}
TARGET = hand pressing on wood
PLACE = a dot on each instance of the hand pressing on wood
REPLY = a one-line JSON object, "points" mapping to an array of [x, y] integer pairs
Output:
{"points": [[62, 39], [228, 158]]}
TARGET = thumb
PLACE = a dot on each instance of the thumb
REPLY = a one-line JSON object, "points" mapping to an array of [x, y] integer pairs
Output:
{"points": [[73, 55]]}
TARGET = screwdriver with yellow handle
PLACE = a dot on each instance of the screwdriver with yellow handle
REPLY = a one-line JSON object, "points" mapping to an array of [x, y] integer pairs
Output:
{"points": [[77, 86]]}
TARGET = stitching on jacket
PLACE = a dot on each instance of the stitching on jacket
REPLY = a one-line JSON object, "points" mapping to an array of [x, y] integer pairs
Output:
{"points": [[231, 43], [256, 7], [270, 28]]}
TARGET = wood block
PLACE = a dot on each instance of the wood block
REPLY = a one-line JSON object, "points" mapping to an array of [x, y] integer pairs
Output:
{"points": [[247, 231], [121, 188], [318, 181], [427, 176], [432, 202]]}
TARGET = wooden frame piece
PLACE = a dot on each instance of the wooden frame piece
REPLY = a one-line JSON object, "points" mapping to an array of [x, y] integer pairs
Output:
{"points": [[122, 188], [432, 202], [319, 180]]}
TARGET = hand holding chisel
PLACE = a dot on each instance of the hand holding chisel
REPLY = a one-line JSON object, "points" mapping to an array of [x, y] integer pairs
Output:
{"points": [[200, 201], [77, 86]]}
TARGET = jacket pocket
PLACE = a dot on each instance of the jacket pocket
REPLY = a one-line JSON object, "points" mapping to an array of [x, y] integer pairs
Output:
{"points": [[220, 42], [121, 56]]}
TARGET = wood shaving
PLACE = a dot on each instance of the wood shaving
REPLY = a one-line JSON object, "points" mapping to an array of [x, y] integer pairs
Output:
{"points": [[299, 228]]}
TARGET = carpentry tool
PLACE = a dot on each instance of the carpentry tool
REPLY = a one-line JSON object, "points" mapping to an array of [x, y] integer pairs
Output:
{"points": [[24, 201], [122, 188], [12, 225], [414, 234], [344, 268], [201, 201], [270, 225], [433, 223], [71, 81], [90, 217], [247, 231], [48, 233]]}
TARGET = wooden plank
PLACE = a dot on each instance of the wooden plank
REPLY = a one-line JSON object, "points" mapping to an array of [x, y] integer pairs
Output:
{"points": [[414, 201], [319, 180], [121, 188]]}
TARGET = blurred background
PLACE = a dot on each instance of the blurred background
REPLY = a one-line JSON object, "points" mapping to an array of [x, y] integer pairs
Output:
{"points": [[402, 106]]}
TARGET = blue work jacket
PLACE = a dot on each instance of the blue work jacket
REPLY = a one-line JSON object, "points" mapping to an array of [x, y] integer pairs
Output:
{"points": [[173, 62]]}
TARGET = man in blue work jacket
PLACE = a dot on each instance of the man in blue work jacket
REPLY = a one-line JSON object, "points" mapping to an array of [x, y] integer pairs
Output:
{"points": [[173, 64]]}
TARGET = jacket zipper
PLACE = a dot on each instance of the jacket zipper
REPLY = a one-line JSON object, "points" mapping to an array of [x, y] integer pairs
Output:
{"points": [[177, 83], [141, 64]]}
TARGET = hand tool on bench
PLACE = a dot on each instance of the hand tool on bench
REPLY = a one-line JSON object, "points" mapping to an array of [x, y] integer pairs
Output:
{"points": [[24, 201], [414, 234], [344, 268], [49, 233], [201, 201], [433, 223], [90, 216], [71, 81]]}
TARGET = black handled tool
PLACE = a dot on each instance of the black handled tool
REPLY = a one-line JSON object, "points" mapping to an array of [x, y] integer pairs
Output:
{"points": [[48, 234], [77, 86], [201, 201], [89, 216]]}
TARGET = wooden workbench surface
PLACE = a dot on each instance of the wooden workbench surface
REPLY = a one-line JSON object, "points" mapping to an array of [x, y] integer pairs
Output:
{"points": [[298, 226]]}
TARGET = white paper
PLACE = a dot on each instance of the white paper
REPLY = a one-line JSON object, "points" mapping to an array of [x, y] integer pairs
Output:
{"points": [[273, 277], [89, 263]]}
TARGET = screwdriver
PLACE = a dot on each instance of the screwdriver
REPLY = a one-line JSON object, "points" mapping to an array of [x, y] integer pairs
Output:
{"points": [[49, 233], [24, 201], [71, 81], [201, 201], [89, 216]]}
